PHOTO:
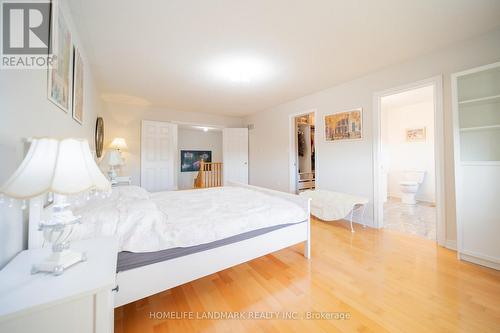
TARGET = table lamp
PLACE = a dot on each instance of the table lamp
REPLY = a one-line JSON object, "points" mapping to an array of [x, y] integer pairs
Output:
{"points": [[62, 167], [114, 160], [118, 144], [115, 157]]}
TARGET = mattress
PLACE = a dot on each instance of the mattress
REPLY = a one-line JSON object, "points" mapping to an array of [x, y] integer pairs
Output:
{"points": [[129, 260]]}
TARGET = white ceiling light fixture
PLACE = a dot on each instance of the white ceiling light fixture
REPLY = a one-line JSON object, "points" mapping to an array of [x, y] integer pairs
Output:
{"points": [[203, 128], [240, 69]]}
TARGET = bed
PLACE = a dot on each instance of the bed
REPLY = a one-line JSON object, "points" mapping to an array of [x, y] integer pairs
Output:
{"points": [[170, 238]]}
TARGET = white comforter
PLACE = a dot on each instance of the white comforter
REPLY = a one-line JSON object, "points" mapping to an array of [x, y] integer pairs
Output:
{"points": [[147, 222]]}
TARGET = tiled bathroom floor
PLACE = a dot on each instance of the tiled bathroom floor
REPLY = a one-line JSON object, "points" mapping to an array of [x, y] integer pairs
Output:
{"points": [[419, 219]]}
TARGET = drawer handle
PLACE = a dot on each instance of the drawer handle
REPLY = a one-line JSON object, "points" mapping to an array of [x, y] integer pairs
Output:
{"points": [[116, 289]]}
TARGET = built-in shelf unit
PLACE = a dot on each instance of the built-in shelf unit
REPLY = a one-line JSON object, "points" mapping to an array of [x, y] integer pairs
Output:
{"points": [[476, 111]]}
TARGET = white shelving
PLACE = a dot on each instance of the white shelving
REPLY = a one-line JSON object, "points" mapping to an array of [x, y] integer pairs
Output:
{"points": [[476, 112], [482, 100], [479, 128]]}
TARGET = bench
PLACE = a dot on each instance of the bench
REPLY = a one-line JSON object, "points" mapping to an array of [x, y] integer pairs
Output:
{"points": [[330, 206]]}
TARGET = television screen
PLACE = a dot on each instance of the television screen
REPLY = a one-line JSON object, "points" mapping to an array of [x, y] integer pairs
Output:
{"points": [[190, 159]]}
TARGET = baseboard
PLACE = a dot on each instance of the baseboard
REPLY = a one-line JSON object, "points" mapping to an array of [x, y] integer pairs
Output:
{"points": [[480, 261], [450, 244]]}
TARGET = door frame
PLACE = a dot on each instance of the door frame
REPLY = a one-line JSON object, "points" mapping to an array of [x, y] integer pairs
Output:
{"points": [[292, 148], [437, 83]]}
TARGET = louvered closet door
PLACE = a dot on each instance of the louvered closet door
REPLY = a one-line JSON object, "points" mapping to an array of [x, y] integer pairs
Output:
{"points": [[158, 156]]}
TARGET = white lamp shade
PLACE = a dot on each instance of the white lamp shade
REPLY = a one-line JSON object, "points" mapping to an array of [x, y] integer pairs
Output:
{"points": [[114, 158], [118, 143], [63, 167]]}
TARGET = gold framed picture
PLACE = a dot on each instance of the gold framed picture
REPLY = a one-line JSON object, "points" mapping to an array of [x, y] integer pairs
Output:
{"points": [[59, 76], [346, 125], [77, 86]]}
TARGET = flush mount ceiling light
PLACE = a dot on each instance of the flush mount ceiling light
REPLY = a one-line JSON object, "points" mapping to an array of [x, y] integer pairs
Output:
{"points": [[203, 128], [239, 69]]}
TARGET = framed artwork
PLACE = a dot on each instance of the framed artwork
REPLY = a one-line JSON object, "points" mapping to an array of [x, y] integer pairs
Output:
{"points": [[415, 134], [77, 86], [99, 136], [190, 159], [59, 75], [347, 125]]}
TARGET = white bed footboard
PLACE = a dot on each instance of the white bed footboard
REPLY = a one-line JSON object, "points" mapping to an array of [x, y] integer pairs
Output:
{"points": [[151, 279]]}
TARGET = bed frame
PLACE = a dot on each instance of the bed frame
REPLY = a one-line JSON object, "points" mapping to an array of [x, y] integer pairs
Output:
{"points": [[141, 282]]}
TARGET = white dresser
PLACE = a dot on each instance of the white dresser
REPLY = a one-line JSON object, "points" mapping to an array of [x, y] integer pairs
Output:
{"points": [[78, 301]]}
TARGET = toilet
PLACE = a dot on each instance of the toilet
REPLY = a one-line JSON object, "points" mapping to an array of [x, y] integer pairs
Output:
{"points": [[409, 186]]}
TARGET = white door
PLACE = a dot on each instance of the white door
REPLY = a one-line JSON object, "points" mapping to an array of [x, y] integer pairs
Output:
{"points": [[158, 156], [235, 155]]}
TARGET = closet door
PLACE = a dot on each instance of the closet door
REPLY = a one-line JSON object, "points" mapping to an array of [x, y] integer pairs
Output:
{"points": [[235, 155], [476, 106], [158, 156]]}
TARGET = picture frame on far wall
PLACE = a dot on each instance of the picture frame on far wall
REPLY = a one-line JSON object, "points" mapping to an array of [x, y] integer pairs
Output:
{"points": [[345, 125], [190, 159], [77, 97], [59, 77], [415, 134]]}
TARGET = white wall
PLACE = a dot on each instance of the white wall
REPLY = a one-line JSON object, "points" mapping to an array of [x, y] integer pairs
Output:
{"points": [[348, 166], [400, 155], [25, 112], [191, 139], [124, 120]]}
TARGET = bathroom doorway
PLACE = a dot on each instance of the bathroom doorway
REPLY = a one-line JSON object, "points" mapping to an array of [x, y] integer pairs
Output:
{"points": [[303, 176], [408, 160]]}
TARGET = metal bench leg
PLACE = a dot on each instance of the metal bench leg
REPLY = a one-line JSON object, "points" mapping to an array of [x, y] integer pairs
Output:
{"points": [[352, 213], [363, 216]]}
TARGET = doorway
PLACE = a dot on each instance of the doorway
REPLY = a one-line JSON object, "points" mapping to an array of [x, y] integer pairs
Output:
{"points": [[304, 152], [408, 158]]}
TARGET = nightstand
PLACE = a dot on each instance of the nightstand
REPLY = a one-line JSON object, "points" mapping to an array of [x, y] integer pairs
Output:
{"points": [[78, 301], [122, 181]]}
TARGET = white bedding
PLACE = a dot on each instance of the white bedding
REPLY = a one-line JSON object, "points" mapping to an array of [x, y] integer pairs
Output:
{"points": [[147, 222]]}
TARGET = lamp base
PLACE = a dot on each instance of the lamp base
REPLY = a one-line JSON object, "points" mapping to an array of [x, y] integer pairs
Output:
{"points": [[58, 262], [112, 174]]}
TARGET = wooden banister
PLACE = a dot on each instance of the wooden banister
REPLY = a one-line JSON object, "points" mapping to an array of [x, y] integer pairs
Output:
{"points": [[210, 175]]}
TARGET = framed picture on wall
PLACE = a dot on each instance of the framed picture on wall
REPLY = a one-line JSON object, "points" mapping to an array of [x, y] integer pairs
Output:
{"points": [[77, 109], [346, 125], [190, 159], [59, 80], [415, 134]]}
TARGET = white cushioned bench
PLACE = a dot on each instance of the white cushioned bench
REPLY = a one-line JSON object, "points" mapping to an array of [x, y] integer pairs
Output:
{"points": [[330, 206]]}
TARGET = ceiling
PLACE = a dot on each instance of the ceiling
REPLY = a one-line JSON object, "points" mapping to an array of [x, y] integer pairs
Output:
{"points": [[409, 97], [163, 53]]}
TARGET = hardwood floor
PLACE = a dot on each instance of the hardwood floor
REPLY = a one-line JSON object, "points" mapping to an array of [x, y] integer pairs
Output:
{"points": [[385, 281]]}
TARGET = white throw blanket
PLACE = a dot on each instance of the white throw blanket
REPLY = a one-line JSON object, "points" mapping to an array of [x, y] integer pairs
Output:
{"points": [[147, 222], [331, 206]]}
